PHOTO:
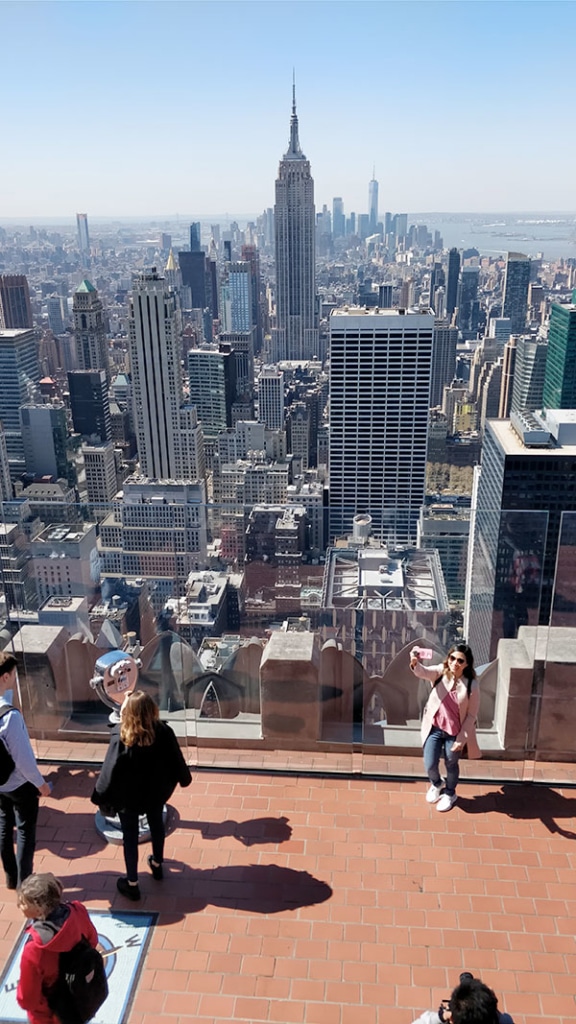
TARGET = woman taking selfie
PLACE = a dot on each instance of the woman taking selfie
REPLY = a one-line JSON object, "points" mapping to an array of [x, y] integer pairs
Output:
{"points": [[141, 770], [449, 718]]}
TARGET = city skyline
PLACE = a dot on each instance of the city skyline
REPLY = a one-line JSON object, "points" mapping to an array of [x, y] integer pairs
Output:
{"points": [[172, 142]]}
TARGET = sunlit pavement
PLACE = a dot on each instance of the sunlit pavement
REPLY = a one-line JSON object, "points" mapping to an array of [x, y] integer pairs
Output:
{"points": [[334, 900]]}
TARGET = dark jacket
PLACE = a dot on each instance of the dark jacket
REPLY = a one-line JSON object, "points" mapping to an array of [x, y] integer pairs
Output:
{"points": [[40, 956], [136, 778]]}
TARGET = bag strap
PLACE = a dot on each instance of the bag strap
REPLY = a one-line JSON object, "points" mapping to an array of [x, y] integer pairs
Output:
{"points": [[6, 708]]}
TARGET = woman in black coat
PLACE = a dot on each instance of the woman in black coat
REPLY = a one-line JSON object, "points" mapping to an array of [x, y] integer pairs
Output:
{"points": [[142, 768]]}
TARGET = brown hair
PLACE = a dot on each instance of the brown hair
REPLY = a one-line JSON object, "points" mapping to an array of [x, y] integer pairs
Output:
{"points": [[138, 720], [7, 662], [41, 893]]}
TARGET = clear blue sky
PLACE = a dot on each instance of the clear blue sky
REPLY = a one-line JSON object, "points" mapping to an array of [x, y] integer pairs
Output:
{"points": [[163, 108]]}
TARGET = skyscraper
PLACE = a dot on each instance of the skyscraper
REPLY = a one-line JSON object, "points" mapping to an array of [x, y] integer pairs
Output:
{"points": [[338, 218], [516, 282], [452, 282], [83, 235], [443, 360], [468, 307], [90, 405], [236, 297], [373, 203], [379, 399], [195, 245], [19, 374], [271, 397], [44, 435], [15, 308], [156, 374], [90, 329], [212, 381], [529, 373], [560, 377], [294, 223], [527, 484]]}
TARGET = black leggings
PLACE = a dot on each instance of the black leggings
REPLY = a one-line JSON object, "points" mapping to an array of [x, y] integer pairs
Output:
{"points": [[129, 822]]}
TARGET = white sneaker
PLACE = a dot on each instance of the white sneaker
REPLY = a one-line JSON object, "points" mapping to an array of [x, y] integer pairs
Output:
{"points": [[433, 794], [447, 802]]}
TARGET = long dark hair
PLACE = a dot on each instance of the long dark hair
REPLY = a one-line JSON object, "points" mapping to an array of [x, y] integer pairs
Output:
{"points": [[468, 672]]}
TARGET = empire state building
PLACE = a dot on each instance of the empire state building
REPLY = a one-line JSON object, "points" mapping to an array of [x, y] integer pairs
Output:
{"points": [[296, 333]]}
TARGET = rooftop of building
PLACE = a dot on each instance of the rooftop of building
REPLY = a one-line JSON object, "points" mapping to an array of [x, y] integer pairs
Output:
{"points": [[333, 898], [373, 311]]}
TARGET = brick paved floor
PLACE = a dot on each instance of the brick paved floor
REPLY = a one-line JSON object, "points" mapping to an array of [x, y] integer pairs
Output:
{"points": [[335, 900]]}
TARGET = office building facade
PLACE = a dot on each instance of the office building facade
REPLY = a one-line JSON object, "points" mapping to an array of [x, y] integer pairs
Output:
{"points": [[90, 405], [15, 308], [19, 375], [560, 376], [379, 399]]}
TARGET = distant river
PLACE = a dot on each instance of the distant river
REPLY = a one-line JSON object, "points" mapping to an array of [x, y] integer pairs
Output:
{"points": [[553, 234]]}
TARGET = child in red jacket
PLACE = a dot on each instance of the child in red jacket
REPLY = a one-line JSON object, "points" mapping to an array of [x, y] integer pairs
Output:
{"points": [[55, 927]]}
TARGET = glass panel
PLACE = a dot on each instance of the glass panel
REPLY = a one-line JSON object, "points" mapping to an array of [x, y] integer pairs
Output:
{"points": [[266, 647]]}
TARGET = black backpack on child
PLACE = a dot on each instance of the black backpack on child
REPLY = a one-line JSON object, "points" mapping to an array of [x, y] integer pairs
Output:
{"points": [[7, 765], [82, 985]]}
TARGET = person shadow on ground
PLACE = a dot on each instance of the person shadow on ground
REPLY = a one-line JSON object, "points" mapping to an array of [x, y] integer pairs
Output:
{"points": [[525, 802], [255, 832], [252, 888]]}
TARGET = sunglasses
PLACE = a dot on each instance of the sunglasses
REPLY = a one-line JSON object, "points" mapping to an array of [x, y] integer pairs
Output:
{"points": [[459, 661]]}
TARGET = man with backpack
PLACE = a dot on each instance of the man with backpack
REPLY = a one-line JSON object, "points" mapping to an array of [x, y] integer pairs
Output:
{"points": [[62, 975], [20, 783]]}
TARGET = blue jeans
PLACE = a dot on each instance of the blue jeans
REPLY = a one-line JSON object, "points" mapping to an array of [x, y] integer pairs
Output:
{"points": [[18, 808], [129, 823], [438, 742]]}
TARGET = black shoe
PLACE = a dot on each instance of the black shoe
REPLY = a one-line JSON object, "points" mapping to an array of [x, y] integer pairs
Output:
{"points": [[131, 892], [156, 869], [11, 883]]}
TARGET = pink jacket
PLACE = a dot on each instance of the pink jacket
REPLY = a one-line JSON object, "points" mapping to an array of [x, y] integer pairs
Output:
{"points": [[468, 706]]}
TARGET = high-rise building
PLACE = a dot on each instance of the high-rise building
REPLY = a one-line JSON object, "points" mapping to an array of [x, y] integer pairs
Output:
{"points": [[242, 345], [294, 223], [380, 370], [443, 360], [156, 374], [271, 397], [526, 483], [560, 377], [452, 282], [468, 308], [89, 405], [57, 313], [100, 469], [529, 373], [193, 270], [44, 437], [83, 235], [212, 384], [516, 282], [236, 297], [508, 371], [15, 308], [338, 218], [19, 375], [195, 235], [373, 204], [90, 329], [249, 254]]}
